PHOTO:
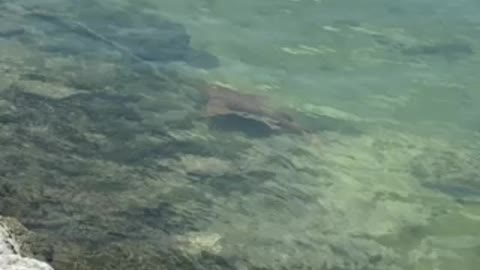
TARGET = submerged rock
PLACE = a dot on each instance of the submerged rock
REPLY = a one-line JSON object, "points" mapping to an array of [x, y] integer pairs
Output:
{"points": [[199, 165], [49, 90], [197, 242], [252, 114]]}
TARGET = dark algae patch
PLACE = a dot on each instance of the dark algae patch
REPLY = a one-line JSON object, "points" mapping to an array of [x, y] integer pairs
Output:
{"points": [[143, 37], [459, 192], [85, 149], [448, 50]]}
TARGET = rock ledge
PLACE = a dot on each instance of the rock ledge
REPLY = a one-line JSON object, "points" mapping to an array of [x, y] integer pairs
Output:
{"points": [[10, 251]]}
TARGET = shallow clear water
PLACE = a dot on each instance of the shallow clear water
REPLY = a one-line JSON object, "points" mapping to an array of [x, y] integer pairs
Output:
{"points": [[261, 134]]}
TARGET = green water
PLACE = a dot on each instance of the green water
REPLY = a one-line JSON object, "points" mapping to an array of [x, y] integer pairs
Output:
{"points": [[110, 157]]}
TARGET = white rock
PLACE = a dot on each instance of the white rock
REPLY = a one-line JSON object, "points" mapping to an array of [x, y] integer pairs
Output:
{"points": [[10, 257], [17, 262]]}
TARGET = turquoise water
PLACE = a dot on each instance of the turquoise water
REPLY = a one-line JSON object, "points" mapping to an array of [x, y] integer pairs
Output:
{"points": [[260, 134]]}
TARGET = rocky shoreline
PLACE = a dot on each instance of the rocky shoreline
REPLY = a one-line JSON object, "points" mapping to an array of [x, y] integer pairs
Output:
{"points": [[13, 252]]}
